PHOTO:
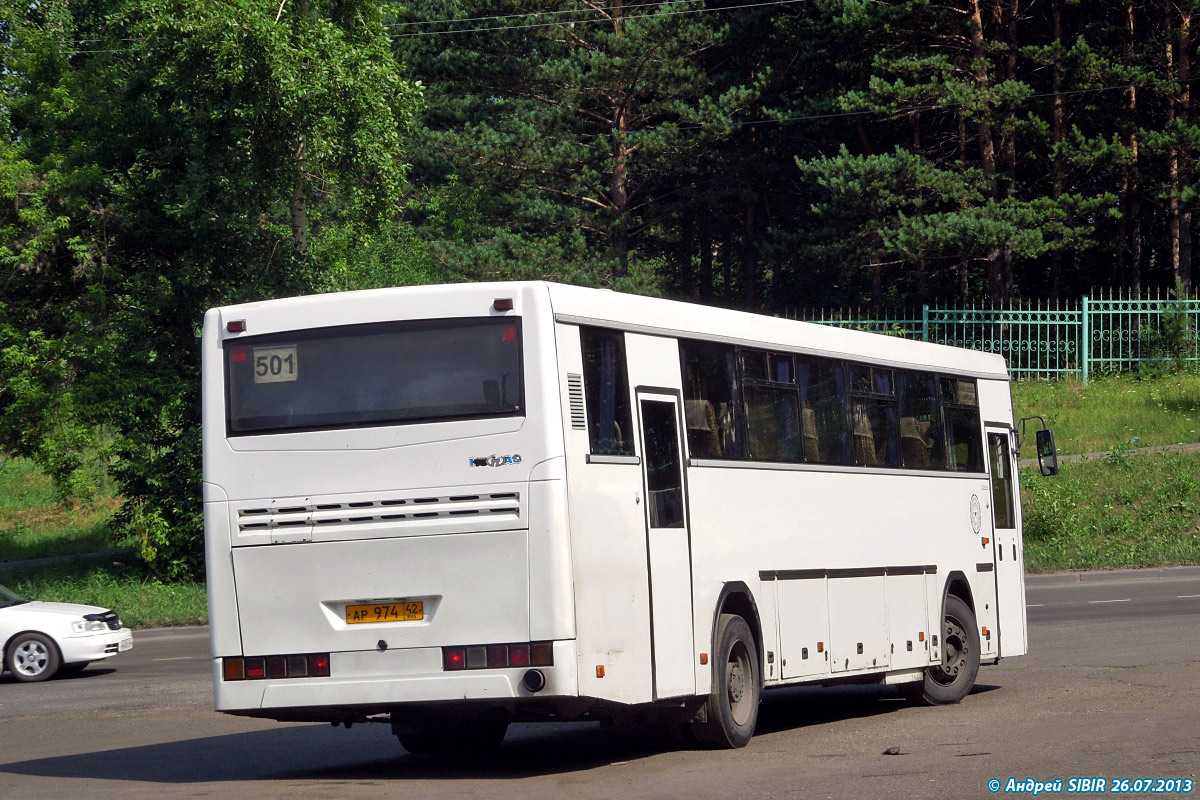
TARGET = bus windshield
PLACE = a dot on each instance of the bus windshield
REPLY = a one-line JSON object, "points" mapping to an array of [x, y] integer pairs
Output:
{"points": [[376, 374]]}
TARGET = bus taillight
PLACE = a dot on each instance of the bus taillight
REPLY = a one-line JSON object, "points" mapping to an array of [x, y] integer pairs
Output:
{"points": [[256, 668], [496, 656]]}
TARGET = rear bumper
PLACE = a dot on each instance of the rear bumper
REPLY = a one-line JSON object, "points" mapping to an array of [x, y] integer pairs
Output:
{"points": [[95, 646], [378, 681]]}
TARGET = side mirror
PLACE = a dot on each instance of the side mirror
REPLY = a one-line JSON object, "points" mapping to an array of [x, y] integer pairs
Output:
{"points": [[1047, 455]]}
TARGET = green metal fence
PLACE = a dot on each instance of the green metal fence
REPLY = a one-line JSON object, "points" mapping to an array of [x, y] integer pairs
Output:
{"points": [[1108, 333]]}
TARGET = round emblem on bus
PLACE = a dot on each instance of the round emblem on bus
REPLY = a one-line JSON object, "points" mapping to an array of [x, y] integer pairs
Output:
{"points": [[976, 515]]}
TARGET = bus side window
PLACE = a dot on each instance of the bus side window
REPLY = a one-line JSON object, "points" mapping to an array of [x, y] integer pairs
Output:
{"points": [[960, 411], [922, 441], [873, 412], [772, 406], [824, 421], [606, 392], [709, 399]]}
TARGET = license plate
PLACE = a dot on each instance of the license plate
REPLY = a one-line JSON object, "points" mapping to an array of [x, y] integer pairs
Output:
{"points": [[124, 645], [385, 612]]}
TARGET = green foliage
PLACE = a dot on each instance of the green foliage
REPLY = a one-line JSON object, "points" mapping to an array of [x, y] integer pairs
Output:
{"points": [[141, 599], [1114, 411], [159, 157], [192, 154], [1167, 346], [1120, 511]]}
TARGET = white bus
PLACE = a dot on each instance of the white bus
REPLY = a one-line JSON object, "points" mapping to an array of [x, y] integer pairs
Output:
{"points": [[451, 507]]}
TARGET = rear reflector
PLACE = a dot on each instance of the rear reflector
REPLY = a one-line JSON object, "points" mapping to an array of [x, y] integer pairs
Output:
{"points": [[476, 657], [234, 669], [454, 658], [519, 655], [498, 656], [541, 654], [255, 668], [318, 666]]}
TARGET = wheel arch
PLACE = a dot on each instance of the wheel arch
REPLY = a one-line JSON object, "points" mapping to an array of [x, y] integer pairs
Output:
{"points": [[53, 640], [736, 598], [958, 585]]}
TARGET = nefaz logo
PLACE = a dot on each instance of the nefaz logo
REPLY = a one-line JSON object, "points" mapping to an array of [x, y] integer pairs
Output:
{"points": [[494, 461]]}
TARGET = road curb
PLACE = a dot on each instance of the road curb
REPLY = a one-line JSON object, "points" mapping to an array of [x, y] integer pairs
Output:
{"points": [[172, 632], [1111, 575]]}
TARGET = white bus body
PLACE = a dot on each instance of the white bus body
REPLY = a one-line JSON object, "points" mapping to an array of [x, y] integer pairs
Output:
{"points": [[530, 500]]}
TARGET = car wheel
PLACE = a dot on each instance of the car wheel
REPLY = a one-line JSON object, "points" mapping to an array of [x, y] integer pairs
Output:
{"points": [[31, 657]]}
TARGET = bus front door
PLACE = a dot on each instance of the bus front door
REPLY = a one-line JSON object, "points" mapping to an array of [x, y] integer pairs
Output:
{"points": [[1010, 570], [668, 545]]}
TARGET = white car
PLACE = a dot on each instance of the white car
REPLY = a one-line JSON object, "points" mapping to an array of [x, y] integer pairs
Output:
{"points": [[40, 639]]}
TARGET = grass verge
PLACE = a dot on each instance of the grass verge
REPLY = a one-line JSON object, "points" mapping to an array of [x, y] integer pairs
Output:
{"points": [[1114, 512], [35, 524], [1114, 411], [141, 601]]}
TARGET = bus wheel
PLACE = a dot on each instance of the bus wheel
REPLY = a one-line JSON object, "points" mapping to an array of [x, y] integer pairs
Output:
{"points": [[731, 711], [950, 681], [474, 737]]}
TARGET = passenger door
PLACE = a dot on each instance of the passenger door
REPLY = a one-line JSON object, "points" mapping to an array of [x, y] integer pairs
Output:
{"points": [[668, 544], [1006, 518]]}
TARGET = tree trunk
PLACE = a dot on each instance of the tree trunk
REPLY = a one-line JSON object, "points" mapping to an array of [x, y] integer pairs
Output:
{"points": [[687, 248], [1059, 132], [620, 169], [749, 278], [963, 263], [708, 249], [300, 198], [300, 176], [1009, 10], [987, 150], [1173, 187], [1129, 184], [1184, 114], [726, 274]]}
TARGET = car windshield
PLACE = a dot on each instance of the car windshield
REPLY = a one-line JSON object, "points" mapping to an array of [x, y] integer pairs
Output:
{"points": [[7, 598]]}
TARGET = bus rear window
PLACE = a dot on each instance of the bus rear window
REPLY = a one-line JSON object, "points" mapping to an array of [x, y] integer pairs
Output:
{"points": [[377, 374]]}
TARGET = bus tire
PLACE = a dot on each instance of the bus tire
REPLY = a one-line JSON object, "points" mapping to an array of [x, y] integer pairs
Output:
{"points": [[951, 681], [731, 710]]}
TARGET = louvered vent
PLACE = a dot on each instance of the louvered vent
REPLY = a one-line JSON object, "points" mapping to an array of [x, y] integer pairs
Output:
{"points": [[390, 511], [575, 394]]}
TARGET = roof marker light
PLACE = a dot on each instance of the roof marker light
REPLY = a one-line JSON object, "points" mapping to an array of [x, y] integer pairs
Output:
{"points": [[502, 304], [236, 326]]}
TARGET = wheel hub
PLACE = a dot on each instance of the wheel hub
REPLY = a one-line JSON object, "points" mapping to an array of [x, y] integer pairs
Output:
{"points": [[737, 683], [31, 658]]}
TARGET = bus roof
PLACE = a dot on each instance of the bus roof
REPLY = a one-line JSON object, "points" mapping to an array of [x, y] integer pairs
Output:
{"points": [[669, 317], [657, 316]]}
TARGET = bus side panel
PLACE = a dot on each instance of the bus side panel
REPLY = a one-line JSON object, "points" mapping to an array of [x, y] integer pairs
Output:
{"points": [[551, 604], [608, 557], [224, 630], [802, 524]]}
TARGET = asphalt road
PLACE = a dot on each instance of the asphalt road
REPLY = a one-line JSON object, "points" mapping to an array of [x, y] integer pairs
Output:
{"points": [[1107, 690]]}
